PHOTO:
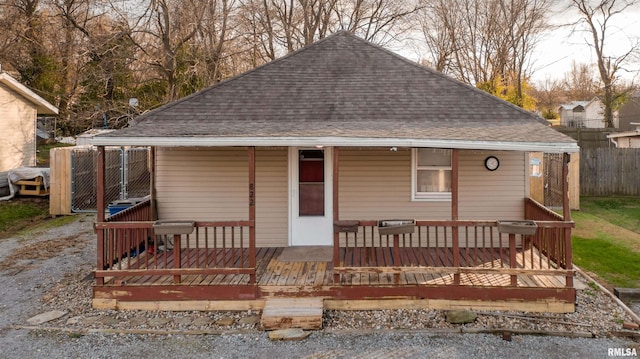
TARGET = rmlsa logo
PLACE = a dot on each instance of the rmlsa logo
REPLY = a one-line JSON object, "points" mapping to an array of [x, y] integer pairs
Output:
{"points": [[622, 352]]}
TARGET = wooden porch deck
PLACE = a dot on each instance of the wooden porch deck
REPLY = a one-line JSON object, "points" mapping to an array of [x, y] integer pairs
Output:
{"points": [[270, 271]]}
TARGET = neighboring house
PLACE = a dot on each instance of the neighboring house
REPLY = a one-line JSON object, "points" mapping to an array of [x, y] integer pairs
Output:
{"points": [[281, 175], [572, 114], [626, 139], [19, 108], [584, 114], [630, 112]]}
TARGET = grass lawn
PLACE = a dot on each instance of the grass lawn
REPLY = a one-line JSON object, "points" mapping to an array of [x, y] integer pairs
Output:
{"points": [[42, 158], [20, 213], [606, 240]]}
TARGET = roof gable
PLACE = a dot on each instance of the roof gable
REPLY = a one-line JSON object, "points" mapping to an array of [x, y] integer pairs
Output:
{"points": [[344, 87], [43, 107]]}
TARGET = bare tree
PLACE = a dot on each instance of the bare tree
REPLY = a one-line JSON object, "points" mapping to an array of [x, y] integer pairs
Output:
{"points": [[278, 27], [440, 23], [25, 46], [549, 94], [213, 37], [378, 21], [486, 43], [162, 31], [597, 17], [580, 82]]}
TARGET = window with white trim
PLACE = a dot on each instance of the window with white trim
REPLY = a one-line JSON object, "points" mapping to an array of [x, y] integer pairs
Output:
{"points": [[431, 174]]}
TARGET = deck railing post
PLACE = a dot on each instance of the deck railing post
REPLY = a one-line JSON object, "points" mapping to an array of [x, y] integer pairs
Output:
{"points": [[396, 257], [177, 257], [456, 252], [568, 257]]}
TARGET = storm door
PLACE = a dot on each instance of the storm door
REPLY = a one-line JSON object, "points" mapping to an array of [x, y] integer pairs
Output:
{"points": [[311, 197]]}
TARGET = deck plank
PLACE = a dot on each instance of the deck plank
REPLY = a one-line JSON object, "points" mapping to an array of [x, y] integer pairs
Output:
{"points": [[272, 272]]}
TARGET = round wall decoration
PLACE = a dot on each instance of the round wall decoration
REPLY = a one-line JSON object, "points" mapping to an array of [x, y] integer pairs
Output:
{"points": [[492, 163]]}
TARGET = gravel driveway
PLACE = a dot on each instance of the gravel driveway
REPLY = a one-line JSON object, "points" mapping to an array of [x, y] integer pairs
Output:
{"points": [[46, 270]]}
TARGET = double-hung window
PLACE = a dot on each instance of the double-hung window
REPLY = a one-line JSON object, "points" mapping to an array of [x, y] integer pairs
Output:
{"points": [[431, 174]]}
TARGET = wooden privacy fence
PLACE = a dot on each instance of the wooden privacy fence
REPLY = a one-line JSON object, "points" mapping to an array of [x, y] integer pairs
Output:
{"points": [[610, 171]]}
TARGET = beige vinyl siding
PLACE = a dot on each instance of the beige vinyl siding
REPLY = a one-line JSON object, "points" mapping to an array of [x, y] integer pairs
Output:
{"points": [[17, 130], [376, 184], [492, 195], [211, 184], [272, 201], [207, 184]]}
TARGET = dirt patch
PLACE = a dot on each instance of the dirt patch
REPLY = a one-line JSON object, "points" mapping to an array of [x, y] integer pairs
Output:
{"points": [[22, 257]]}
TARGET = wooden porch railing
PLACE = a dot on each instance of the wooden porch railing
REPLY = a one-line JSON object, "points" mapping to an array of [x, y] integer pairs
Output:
{"points": [[450, 247], [553, 238], [138, 212], [129, 248]]}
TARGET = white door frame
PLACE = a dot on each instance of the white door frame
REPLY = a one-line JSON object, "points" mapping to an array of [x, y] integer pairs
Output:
{"points": [[310, 230]]}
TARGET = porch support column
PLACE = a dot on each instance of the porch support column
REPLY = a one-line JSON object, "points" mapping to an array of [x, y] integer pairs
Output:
{"points": [[252, 214], [566, 213], [336, 213], [454, 212], [152, 183], [100, 205]]}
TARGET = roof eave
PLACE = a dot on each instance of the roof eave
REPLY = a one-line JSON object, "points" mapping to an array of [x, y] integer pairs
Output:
{"points": [[42, 105], [205, 141], [633, 133]]}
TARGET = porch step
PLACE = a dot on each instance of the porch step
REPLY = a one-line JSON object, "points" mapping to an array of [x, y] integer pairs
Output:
{"points": [[283, 313]]}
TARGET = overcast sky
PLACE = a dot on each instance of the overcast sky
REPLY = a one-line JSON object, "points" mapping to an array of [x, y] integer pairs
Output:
{"points": [[554, 55], [559, 47]]}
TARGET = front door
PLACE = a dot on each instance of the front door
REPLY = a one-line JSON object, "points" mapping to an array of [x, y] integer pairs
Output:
{"points": [[311, 197]]}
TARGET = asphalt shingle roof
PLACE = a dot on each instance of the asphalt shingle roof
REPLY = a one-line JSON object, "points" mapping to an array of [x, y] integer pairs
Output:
{"points": [[343, 86]]}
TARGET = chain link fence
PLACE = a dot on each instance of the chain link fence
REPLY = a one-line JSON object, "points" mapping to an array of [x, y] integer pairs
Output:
{"points": [[553, 180], [126, 176]]}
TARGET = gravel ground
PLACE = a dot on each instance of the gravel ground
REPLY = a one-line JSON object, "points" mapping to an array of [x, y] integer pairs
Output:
{"points": [[48, 270]]}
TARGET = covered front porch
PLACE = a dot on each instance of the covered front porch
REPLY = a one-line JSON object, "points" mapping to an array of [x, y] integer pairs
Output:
{"points": [[442, 263]]}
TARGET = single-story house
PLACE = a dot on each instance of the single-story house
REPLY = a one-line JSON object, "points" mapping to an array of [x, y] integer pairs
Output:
{"points": [[626, 139], [19, 109], [341, 171]]}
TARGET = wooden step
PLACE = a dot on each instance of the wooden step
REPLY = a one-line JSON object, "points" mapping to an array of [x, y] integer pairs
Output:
{"points": [[283, 313]]}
